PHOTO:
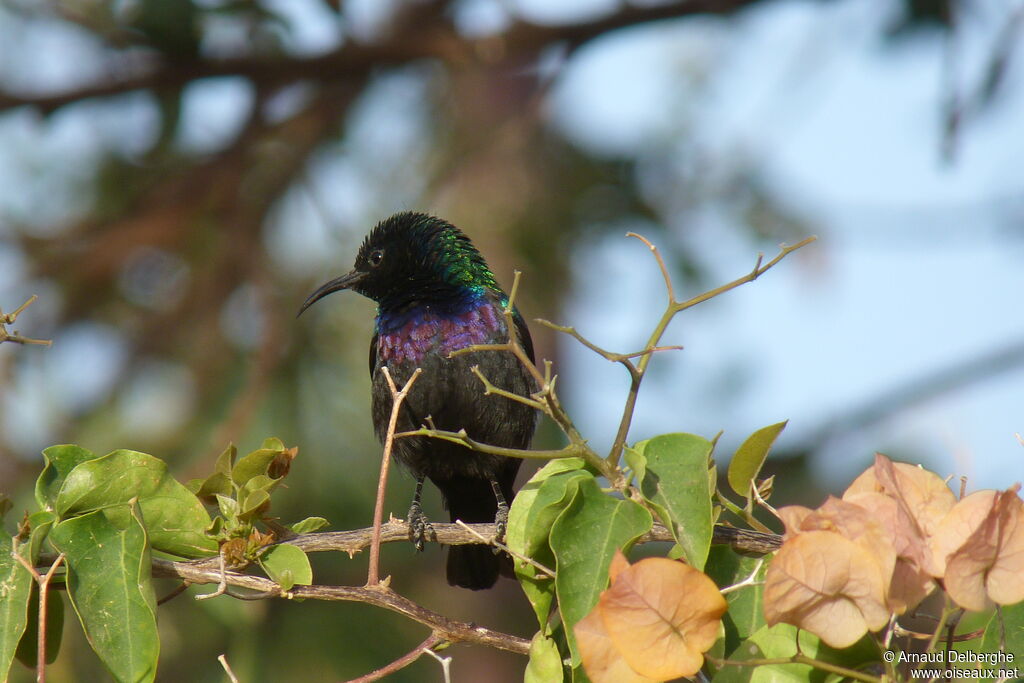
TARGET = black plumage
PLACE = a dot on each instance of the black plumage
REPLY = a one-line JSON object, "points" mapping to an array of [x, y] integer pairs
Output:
{"points": [[435, 295]]}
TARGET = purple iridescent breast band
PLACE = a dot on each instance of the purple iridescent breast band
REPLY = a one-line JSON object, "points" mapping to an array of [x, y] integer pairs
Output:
{"points": [[426, 330]]}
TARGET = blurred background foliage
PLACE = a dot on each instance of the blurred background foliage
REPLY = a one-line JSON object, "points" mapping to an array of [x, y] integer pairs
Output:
{"points": [[177, 175]]}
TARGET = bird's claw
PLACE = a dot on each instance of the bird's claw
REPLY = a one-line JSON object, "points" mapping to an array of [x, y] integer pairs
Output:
{"points": [[419, 526], [501, 524]]}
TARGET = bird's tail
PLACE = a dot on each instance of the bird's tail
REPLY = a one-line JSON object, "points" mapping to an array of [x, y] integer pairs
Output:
{"points": [[472, 500]]}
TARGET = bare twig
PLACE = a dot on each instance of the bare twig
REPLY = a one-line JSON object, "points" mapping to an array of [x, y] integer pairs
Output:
{"points": [[402, 662], [545, 399], [671, 310], [13, 337], [43, 582], [397, 398], [749, 581], [222, 583], [493, 541], [460, 437], [446, 665], [490, 389], [182, 587], [227, 668]]}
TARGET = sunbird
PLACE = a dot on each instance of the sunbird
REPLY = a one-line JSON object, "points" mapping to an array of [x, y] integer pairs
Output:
{"points": [[435, 295]]}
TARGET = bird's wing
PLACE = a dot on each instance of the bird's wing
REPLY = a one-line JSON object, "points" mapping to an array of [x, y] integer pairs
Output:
{"points": [[524, 336], [373, 353]]}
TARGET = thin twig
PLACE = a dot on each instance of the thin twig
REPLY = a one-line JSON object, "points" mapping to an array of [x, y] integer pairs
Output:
{"points": [[182, 587], [493, 541], [749, 581], [13, 337], [397, 398], [227, 668], [497, 391], [402, 662], [43, 582], [671, 310], [446, 665], [917, 635], [545, 399], [222, 584], [460, 437], [661, 266]]}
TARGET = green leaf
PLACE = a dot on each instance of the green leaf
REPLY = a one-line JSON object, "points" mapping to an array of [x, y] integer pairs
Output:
{"points": [[15, 591], [584, 538], [60, 460], [226, 460], [113, 479], [780, 641], [533, 511], [228, 509], [256, 463], [175, 519], [207, 489], [746, 613], [309, 525], [287, 566], [272, 444], [1012, 624], [254, 504], [545, 663], [219, 481], [750, 456], [538, 503], [110, 588], [673, 477], [29, 646], [40, 524]]}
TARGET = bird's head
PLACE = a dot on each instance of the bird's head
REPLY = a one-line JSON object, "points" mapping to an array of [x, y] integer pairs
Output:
{"points": [[412, 258]]}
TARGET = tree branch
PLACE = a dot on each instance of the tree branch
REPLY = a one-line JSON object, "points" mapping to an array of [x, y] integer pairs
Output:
{"points": [[448, 629], [358, 60], [397, 530], [211, 571]]}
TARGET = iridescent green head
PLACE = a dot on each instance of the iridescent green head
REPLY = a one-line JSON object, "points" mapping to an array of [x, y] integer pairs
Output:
{"points": [[410, 259]]}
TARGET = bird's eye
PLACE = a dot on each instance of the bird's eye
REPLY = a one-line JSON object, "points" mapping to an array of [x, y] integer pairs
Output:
{"points": [[376, 256]]}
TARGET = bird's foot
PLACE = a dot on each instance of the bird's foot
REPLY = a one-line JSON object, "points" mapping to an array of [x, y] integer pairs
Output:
{"points": [[501, 522], [419, 526]]}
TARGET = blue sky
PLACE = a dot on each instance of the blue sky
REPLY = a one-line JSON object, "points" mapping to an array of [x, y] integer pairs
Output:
{"points": [[914, 270]]}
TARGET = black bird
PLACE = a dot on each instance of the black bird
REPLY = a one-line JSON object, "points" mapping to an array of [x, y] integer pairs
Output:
{"points": [[435, 294]]}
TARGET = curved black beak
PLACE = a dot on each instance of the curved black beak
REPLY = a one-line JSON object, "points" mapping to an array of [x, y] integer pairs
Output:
{"points": [[344, 282]]}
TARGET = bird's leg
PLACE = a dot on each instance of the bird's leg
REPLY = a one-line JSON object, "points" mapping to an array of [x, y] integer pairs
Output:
{"points": [[501, 516], [419, 525]]}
